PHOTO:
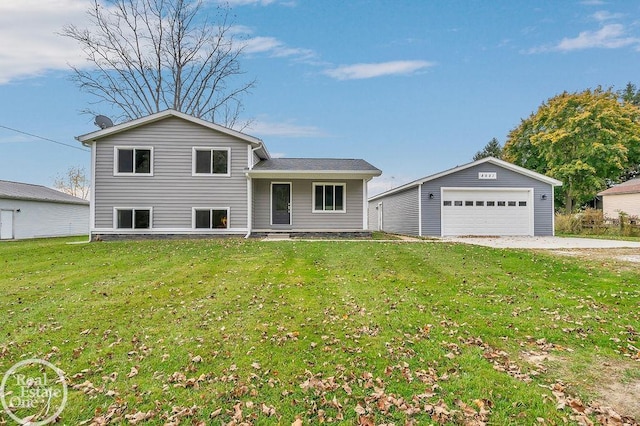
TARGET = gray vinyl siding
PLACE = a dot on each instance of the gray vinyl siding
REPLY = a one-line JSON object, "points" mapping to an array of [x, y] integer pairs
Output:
{"points": [[302, 216], [543, 209], [172, 191], [399, 212]]}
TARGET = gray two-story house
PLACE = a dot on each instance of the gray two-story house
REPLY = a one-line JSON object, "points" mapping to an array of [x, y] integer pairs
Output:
{"points": [[173, 174]]}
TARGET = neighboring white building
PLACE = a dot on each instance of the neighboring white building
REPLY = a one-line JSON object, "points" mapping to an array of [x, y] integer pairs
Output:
{"points": [[35, 211], [624, 197]]}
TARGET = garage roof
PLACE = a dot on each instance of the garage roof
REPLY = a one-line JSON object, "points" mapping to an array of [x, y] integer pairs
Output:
{"points": [[27, 191], [492, 160]]}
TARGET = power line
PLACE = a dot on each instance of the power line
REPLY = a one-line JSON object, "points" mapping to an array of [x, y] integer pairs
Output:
{"points": [[45, 139]]}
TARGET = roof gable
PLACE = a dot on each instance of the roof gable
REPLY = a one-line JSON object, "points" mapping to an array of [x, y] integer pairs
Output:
{"points": [[27, 191], [123, 127], [491, 160]]}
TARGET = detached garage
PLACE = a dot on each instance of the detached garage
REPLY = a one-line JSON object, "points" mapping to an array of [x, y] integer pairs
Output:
{"points": [[488, 197], [35, 211]]}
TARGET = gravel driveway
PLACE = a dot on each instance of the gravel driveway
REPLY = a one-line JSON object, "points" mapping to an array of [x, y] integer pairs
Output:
{"points": [[543, 242]]}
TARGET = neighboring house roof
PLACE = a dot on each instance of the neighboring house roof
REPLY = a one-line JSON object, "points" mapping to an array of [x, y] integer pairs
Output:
{"points": [[27, 191], [629, 187], [99, 134], [492, 160], [300, 167]]}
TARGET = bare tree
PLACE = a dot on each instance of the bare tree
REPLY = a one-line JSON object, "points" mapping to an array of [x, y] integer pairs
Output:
{"points": [[74, 182], [150, 55]]}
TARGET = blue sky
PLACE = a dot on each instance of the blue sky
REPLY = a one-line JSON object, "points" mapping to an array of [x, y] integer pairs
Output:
{"points": [[413, 87]]}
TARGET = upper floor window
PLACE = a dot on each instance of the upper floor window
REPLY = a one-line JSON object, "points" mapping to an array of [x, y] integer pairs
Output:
{"points": [[329, 197], [133, 161], [211, 161]]}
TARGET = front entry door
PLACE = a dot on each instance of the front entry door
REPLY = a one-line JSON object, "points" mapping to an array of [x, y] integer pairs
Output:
{"points": [[281, 203]]}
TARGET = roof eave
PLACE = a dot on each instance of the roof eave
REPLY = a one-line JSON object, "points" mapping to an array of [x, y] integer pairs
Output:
{"points": [[45, 200], [314, 174]]}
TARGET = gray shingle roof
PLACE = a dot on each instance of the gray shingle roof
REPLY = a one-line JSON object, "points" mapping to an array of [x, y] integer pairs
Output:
{"points": [[27, 191], [315, 164]]}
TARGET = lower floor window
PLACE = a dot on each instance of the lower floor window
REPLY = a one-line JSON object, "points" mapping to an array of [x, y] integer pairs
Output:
{"points": [[133, 218], [211, 218]]}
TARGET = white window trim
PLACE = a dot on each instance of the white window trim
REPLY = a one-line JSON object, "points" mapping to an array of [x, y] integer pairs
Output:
{"points": [[115, 161], [344, 197], [210, 148], [140, 230], [193, 218]]}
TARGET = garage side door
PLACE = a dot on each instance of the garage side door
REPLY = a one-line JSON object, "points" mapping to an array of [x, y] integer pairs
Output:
{"points": [[6, 224], [487, 211]]}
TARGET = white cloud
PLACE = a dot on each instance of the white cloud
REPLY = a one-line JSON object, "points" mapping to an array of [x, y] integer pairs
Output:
{"points": [[610, 36], [234, 3], [592, 2], [30, 43], [603, 15], [287, 129], [385, 183], [275, 48], [363, 71]]}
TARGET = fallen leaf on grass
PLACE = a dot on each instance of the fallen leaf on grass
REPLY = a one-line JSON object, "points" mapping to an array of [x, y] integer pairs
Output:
{"points": [[133, 372]]}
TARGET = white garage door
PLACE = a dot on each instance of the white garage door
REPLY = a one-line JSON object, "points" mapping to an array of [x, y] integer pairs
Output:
{"points": [[487, 211]]}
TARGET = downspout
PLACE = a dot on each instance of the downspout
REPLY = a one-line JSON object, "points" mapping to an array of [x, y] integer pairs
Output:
{"points": [[365, 205], [92, 197], [250, 191], [420, 209]]}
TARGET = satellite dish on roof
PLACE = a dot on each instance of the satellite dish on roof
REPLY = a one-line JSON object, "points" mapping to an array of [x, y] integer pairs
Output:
{"points": [[103, 121]]}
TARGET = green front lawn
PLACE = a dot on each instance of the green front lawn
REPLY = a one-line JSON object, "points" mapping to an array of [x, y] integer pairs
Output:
{"points": [[370, 332]]}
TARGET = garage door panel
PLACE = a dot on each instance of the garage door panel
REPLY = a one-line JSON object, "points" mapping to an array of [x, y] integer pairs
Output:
{"points": [[487, 212]]}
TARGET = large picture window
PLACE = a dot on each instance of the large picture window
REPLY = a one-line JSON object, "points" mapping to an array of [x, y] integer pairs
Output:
{"points": [[329, 197], [133, 218], [204, 218], [211, 161], [133, 161]]}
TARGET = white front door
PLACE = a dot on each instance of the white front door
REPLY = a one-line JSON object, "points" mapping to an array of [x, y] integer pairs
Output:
{"points": [[487, 211], [6, 224]]}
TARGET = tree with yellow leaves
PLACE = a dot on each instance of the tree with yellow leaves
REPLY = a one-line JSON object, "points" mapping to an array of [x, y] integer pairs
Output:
{"points": [[583, 139]]}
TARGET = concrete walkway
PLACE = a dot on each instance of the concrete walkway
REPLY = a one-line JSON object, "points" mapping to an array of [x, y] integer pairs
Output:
{"points": [[543, 242]]}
